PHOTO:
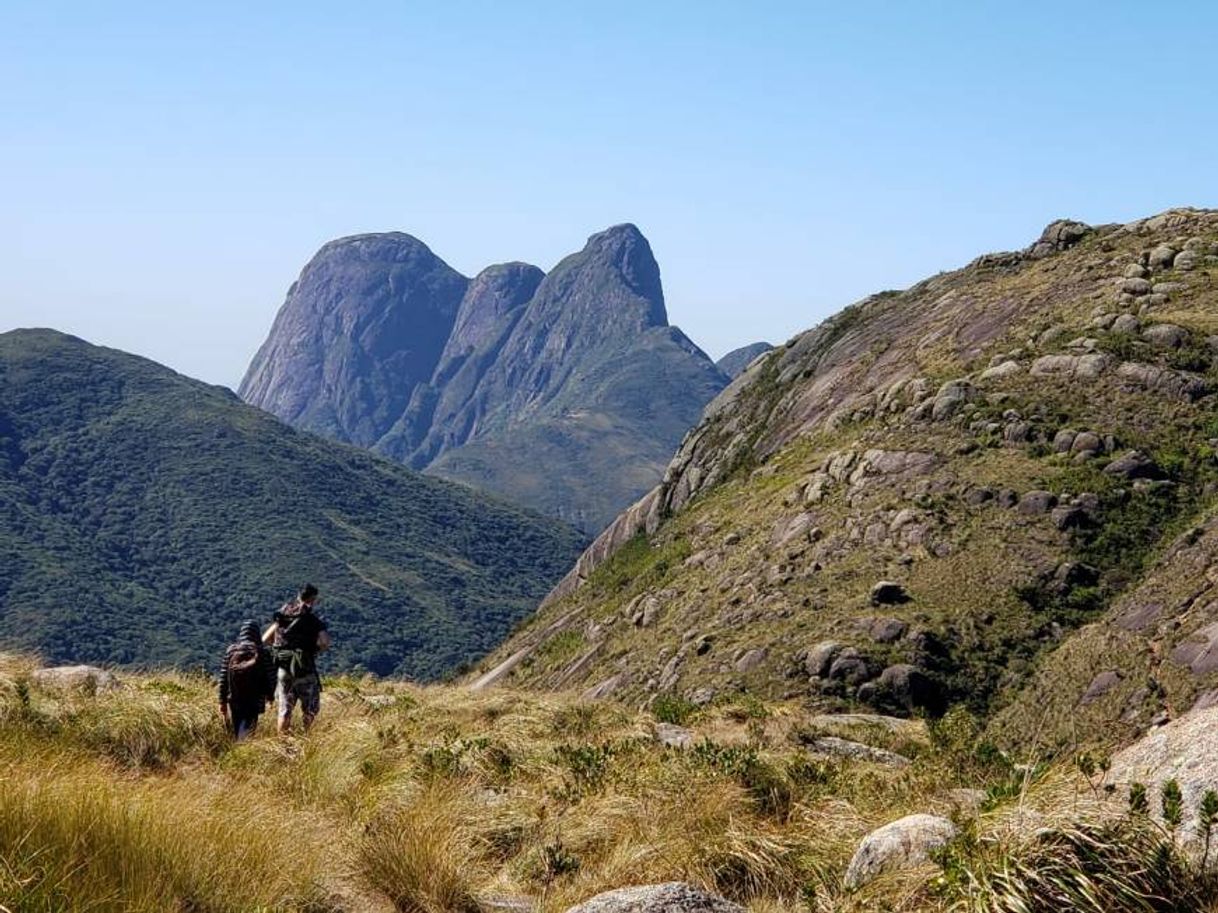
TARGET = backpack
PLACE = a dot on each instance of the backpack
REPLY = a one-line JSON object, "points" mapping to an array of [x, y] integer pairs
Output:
{"points": [[245, 677]]}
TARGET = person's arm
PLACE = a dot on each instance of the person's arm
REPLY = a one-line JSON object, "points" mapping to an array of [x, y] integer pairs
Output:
{"points": [[224, 685], [323, 640], [269, 633]]}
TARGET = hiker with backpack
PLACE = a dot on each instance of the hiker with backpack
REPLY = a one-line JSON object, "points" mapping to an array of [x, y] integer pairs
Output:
{"points": [[247, 682], [296, 636]]}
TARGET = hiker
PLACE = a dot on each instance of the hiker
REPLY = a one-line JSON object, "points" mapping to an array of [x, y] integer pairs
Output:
{"points": [[296, 636], [247, 681]]}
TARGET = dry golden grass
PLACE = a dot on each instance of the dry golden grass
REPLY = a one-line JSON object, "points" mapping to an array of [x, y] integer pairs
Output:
{"points": [[433, 799]]}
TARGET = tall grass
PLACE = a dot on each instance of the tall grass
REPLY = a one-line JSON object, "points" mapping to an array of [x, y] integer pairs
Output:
{"points": [[72, 839]]}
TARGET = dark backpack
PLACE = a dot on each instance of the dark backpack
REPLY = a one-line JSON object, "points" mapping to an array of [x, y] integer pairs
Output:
{"points": [[245, 676]]}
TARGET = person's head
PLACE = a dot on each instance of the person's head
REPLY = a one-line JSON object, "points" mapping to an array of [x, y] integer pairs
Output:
{"points": [[308, 594], [249, 631]]}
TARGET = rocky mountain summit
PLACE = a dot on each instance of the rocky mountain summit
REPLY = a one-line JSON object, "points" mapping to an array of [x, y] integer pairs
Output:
{"points": [[735, 361], [994, 488], [564, 391]]}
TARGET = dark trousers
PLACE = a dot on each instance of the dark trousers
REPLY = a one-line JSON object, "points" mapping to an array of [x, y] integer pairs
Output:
{"points": [[245, 721]]}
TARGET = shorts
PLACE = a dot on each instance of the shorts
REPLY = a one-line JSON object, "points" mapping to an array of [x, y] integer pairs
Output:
{"points": [[303, 688]]}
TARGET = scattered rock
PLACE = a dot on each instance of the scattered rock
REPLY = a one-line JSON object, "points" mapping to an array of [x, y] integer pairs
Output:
{"points": [[1136, 271], [1001, 370], [888, 592], [850, 667], [904, 843], [604, 689], [1037, 502], [1134, 465], [1136, 287], [1164, 380], [1100, 685], [1069, 517], [910, 688], [887, 630], [700, 697], [1057, 236], [672, 897], [1186, 261], [82, 678], [1087, 442], [829, 746], [1126, 323], [1167, 335], [821, 657], [1064, 440], [751, 660], [1162, 257], [673, 736], [1086, 367], [1199, 651]]}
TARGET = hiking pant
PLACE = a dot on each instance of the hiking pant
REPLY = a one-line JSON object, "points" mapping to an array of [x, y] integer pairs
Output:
{"points": [[303, 688], [244, 722]]}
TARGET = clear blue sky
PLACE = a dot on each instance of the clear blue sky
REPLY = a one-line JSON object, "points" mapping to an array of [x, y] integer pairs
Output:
{"points": [[167, 168]]}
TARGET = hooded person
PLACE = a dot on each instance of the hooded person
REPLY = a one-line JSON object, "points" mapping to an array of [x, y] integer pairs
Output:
{"points": [[247, 681]]}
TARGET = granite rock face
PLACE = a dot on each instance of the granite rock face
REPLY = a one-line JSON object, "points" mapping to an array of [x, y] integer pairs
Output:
{"points": [[565, 391]]}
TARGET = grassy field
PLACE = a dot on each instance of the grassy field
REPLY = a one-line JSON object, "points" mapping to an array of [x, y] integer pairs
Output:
{"points": [[435, 798]]}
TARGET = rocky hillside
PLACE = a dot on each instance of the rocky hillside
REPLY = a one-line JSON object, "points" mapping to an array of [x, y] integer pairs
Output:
{"points": [[994, 488], [143, 515], [565, 391]]}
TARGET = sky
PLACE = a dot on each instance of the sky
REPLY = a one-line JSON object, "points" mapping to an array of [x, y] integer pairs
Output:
{"points": [[166, 169]]}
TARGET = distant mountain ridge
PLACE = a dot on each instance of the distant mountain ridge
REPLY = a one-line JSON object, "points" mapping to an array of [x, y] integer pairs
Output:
{"points": [[734, 362], [564, 391], [143, 515]]}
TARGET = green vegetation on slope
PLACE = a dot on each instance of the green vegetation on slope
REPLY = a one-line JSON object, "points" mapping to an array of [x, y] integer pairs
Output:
{"points": [[143, 515], [1012, 445]]}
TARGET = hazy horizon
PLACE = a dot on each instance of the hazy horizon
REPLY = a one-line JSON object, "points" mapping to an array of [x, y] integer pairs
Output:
{"points": [[169, 171]]}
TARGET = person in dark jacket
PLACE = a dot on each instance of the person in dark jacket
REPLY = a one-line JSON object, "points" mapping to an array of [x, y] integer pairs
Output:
{"points": [[247, 681], [296, 636]]}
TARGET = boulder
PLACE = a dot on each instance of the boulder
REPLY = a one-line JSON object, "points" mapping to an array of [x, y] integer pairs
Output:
{"points": [[905, 843], [1184, 750], [1100, 685], [1167, 335], [1134, 465], [1126, 323], [888, 592], [821, 657], [673, 736], [1064, 440], [1001, 370], [602, 690], [1037, 502], [76, 678], [751, 660], [1086, 442], [850, 667], [1162, 257], [1136, 287], [1057, 236], [886, 630], [1136, 271], [672, 897], [833, 747], [1186, 261], [910, 688]]}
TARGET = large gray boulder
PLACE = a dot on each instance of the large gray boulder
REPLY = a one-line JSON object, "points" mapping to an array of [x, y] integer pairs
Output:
{"points": [[1185, 750], [902, 844], [672, 897]]}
